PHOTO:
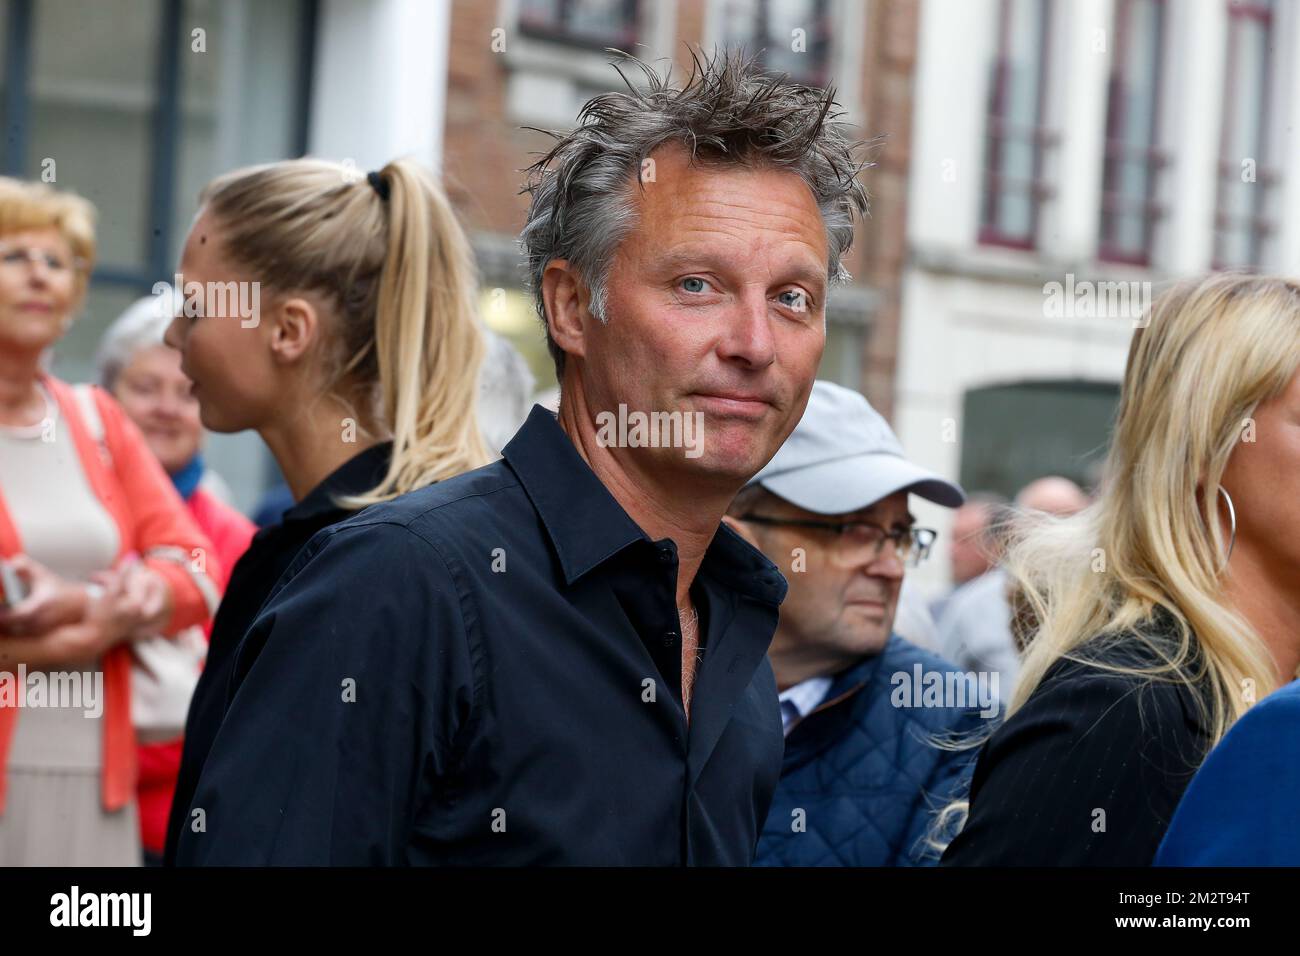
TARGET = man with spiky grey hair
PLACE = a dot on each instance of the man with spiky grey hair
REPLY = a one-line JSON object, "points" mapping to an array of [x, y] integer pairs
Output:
{"points": [[561, 657]]}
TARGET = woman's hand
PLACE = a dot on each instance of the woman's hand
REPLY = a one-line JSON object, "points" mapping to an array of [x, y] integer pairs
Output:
{"points": [[51, 601], [133, 603], [73, 644]]}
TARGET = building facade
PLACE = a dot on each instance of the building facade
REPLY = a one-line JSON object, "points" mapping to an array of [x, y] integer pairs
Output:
{"points": [[1068, 160], [136, 104]]}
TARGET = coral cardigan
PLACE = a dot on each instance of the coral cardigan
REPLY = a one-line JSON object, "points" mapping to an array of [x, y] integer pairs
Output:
{"points": [[152, 522]]}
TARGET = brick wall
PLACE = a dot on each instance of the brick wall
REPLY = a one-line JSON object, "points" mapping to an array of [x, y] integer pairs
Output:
{"points": [[484, 151], [889, 62]]}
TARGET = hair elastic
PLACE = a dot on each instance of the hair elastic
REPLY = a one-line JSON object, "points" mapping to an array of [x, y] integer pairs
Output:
{"points": [[379, 184]]}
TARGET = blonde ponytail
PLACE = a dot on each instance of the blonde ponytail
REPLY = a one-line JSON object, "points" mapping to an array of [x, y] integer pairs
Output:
{"points": [[428, 349], [405, 347]]}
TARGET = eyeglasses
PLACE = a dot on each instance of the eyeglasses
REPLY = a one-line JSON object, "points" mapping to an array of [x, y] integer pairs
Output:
{"points": [[861, 542], [16, 257]]}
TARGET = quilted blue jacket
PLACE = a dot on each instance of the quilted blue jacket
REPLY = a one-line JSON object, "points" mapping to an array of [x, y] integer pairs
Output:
{"points": [[862, 778]]}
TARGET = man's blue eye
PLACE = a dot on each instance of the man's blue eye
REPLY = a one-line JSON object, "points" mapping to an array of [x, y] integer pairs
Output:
{"points": [[797, 301], [694, 284]]}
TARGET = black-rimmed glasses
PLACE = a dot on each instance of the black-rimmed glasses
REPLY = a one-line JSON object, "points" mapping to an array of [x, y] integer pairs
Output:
{"points": [[860, 542]]}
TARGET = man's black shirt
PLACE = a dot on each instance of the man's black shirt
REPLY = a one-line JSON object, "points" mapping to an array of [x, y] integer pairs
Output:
{"points": [[487, 671]]}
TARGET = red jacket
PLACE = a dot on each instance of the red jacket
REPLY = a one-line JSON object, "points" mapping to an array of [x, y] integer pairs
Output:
{"points": [[152, 522]]}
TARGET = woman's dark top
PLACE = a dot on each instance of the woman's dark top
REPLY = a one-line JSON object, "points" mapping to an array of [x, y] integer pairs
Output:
{"points": [[1088, 772], [252, 579]]}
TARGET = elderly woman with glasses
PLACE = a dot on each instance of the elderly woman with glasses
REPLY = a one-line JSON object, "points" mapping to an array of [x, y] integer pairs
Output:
{"points": [[98, 551]]}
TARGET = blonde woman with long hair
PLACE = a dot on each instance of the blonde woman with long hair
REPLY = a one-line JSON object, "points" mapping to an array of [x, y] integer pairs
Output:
{"points": [[1164, 610], [334, 315]]}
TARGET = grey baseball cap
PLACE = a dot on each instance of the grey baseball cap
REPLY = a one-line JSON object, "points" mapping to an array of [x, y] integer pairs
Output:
{"points": [[843, 456]]}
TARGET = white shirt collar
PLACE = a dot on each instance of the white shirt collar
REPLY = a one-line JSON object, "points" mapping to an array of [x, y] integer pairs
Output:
{"points": [[805, 697]]}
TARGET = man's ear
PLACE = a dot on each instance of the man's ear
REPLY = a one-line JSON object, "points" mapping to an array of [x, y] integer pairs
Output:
{"points": [[742, 529], [566, 299], [295, 326]]}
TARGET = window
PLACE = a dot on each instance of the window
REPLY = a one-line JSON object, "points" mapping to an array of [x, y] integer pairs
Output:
{"points": [[1015, 432], [1133, 160], [1016, 138], [591, 23], [789, 36], [1247, 181], [123, 102]]}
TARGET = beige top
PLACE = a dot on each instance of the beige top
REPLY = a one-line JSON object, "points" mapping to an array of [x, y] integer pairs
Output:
{"points": [[63, 526]]}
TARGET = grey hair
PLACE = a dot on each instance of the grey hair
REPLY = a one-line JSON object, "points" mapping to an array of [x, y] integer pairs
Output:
{"points": [[730, 112], [505, 390], [141, 325]]}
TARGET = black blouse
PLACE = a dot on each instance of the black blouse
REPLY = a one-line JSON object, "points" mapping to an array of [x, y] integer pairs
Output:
{"points": [[252, 579], [1088, 772]]}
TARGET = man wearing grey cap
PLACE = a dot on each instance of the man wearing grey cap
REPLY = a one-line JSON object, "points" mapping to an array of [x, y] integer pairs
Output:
{"points": [[862, 708]]}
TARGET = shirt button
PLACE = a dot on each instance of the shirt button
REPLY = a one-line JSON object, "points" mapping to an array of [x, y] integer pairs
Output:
{"points": [[665, 556], [670, 638]]}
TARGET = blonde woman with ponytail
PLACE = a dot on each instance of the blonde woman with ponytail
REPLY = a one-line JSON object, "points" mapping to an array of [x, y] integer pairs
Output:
{"points": [[334, 315], [1162, 612]]}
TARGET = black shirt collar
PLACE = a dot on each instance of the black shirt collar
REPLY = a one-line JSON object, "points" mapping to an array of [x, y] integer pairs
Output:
{"points": [[587, 526], [358, 474]]}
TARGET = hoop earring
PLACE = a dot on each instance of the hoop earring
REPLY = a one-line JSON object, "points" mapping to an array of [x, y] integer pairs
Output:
{"points": [[1232, 519]]}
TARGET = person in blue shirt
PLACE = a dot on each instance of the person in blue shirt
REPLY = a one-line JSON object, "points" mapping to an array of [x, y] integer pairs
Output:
{"points": [[1243, 806]]}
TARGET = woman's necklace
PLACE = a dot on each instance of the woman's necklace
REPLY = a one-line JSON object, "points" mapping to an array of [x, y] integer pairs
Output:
{"points": [[43, 426]]}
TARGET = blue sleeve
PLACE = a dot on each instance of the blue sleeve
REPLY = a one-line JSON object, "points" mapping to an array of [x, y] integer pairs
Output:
{"points": [[1241, 807], [353, 688]]}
